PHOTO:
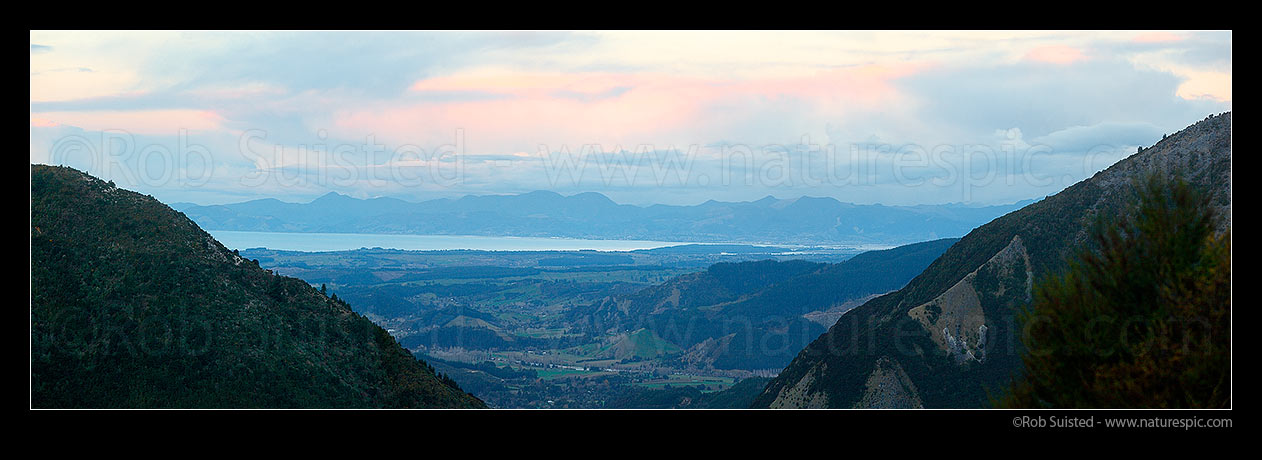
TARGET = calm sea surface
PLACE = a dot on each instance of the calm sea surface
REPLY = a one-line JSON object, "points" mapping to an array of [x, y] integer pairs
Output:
{"points": [[314, 242]]}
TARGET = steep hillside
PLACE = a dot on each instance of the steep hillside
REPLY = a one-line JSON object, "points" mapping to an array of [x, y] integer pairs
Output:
{"points": [[133, 305], [947, 338], [756, 315], [722, 282]]}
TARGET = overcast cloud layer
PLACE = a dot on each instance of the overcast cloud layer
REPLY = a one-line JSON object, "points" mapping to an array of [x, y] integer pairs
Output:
{"points": [[643, 117]]}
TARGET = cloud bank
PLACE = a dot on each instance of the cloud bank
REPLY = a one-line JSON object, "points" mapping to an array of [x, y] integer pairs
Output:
{"points": [[644, 117]]}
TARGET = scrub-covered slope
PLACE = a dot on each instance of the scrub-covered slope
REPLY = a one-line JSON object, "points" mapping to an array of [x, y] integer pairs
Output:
{"points": [[948, 337], [133, 305]]}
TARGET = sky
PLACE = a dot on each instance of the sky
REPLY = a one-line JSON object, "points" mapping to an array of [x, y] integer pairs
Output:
{"points": [[673, 117]]}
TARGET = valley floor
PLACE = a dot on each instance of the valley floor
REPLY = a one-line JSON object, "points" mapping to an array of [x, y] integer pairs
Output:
{"points": [[547, 329]]}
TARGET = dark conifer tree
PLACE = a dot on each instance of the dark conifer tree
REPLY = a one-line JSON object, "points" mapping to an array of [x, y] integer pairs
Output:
{"points": [[1142, 318]]}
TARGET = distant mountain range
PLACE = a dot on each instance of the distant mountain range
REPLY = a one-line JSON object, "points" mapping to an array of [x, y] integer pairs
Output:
{"points": [[805, 220], [949, 337], [134, 306]]}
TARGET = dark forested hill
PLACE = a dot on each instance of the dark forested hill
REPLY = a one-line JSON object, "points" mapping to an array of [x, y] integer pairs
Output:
{"points": [[756, 315], [133, 305], [948, 337]]}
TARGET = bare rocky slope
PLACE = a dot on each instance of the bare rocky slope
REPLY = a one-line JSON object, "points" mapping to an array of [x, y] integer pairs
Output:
{"points": [[948, 338]]}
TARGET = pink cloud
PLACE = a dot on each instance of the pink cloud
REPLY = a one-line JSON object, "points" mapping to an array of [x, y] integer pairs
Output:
{"points": [[645, 108], [529, 84], [43, 123], [1055, 54]]}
